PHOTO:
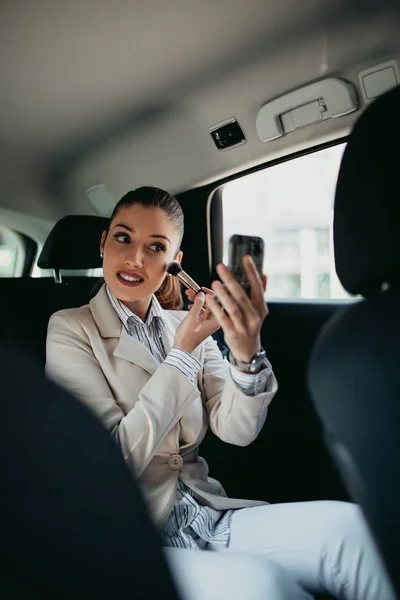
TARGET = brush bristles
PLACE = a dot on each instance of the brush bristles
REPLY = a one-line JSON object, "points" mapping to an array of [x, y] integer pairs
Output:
{"points": [[174, 267]]}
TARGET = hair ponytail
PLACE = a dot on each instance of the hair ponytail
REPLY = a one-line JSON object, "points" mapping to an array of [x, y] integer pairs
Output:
{"points": [[169, 294]]}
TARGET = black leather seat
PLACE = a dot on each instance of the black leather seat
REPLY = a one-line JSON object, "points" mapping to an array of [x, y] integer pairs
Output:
{"points": [[27, 303], [355, 368], [72, 521]]}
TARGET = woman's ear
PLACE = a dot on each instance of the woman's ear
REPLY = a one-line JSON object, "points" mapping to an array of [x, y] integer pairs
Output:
{"points": [[264, 280], [103, 241], [179, 256]]}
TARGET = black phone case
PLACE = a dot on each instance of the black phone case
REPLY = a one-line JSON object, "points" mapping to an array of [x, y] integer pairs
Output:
{"points": [[239, 246]]}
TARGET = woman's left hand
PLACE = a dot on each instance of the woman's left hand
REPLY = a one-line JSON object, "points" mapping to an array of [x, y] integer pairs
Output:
{"points": [[239, 316]]}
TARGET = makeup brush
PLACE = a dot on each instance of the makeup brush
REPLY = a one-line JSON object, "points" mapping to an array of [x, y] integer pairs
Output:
{"points": [[174, 268]]}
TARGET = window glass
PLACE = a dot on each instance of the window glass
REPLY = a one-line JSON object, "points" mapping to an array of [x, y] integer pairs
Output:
{"points": [[290, 206], [9, 249]]}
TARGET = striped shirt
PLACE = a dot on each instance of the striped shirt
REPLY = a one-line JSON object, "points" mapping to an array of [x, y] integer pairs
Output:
{"points": [[189, 525]]}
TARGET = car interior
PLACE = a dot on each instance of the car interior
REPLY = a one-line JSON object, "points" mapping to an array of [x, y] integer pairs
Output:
{"points": [[242, 110]]}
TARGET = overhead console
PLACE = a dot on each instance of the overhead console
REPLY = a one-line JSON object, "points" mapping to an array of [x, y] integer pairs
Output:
{"points": [[328, 98]]}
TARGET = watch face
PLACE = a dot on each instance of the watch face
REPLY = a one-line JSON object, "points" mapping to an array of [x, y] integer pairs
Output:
{"points": [[253, 365], [257, 360]]}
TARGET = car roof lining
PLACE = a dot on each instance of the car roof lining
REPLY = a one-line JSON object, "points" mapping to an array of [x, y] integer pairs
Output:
{"points": [[124, 93]]}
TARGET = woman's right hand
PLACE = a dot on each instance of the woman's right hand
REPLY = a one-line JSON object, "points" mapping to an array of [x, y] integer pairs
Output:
{"points": [[197, 326]]}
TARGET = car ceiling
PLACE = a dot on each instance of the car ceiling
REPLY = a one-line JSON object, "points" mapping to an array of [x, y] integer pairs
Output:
{"points": [[123, 92]]}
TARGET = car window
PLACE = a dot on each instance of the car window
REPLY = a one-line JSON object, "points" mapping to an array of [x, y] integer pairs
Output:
{"points": [[9, 251], [290, 205]]}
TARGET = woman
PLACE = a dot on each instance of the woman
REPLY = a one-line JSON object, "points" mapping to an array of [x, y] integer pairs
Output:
{"points": [[157, 380]]}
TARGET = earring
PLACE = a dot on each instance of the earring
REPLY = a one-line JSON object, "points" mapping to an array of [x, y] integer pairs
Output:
{"points": [[101, 255]]}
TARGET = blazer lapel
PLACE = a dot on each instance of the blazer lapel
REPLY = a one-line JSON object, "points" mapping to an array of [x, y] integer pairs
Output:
{"points": [[110, 326], [129, 348], [168, 334]]}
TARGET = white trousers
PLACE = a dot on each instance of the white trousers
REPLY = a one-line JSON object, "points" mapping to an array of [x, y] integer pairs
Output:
{"points": [[325, 546], [203, 575], [286, 552]]}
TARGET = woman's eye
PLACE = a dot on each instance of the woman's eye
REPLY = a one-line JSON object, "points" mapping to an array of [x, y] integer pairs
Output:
{"points": [[157, 247], [122, 238]]}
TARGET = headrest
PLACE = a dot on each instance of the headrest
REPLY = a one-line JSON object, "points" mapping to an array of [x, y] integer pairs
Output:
{"points": [[74, 243], [367, 202]]}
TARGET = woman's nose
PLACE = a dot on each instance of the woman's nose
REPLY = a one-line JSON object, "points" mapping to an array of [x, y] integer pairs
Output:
{"points": [[134, 258]]}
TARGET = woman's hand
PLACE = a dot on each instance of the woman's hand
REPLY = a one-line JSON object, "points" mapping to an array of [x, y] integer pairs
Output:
{"points": [[197, 326], [240, 317]]}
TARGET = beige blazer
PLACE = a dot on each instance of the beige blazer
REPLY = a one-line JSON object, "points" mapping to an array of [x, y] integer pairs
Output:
{"points": [[156, 415]]}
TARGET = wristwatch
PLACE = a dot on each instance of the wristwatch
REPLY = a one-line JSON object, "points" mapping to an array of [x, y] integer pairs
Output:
{"points": [[255, 363]]}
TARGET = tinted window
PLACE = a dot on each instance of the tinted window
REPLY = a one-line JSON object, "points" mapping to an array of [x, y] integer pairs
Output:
{"points": [[9, 249], [290, 206]]}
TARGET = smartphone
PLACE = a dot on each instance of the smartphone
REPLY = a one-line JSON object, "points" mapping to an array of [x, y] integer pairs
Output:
{"points": [[239, 246]]}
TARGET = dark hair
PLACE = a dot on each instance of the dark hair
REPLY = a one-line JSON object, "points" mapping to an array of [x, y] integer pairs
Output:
{"points": [[169, 294]]}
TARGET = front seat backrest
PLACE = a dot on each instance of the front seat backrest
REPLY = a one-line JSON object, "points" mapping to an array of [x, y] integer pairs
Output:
{"points": [[355, 367], [72, 522]]}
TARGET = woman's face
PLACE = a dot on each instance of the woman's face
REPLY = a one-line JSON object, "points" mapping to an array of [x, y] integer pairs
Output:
{"points": [[140, 243]]}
